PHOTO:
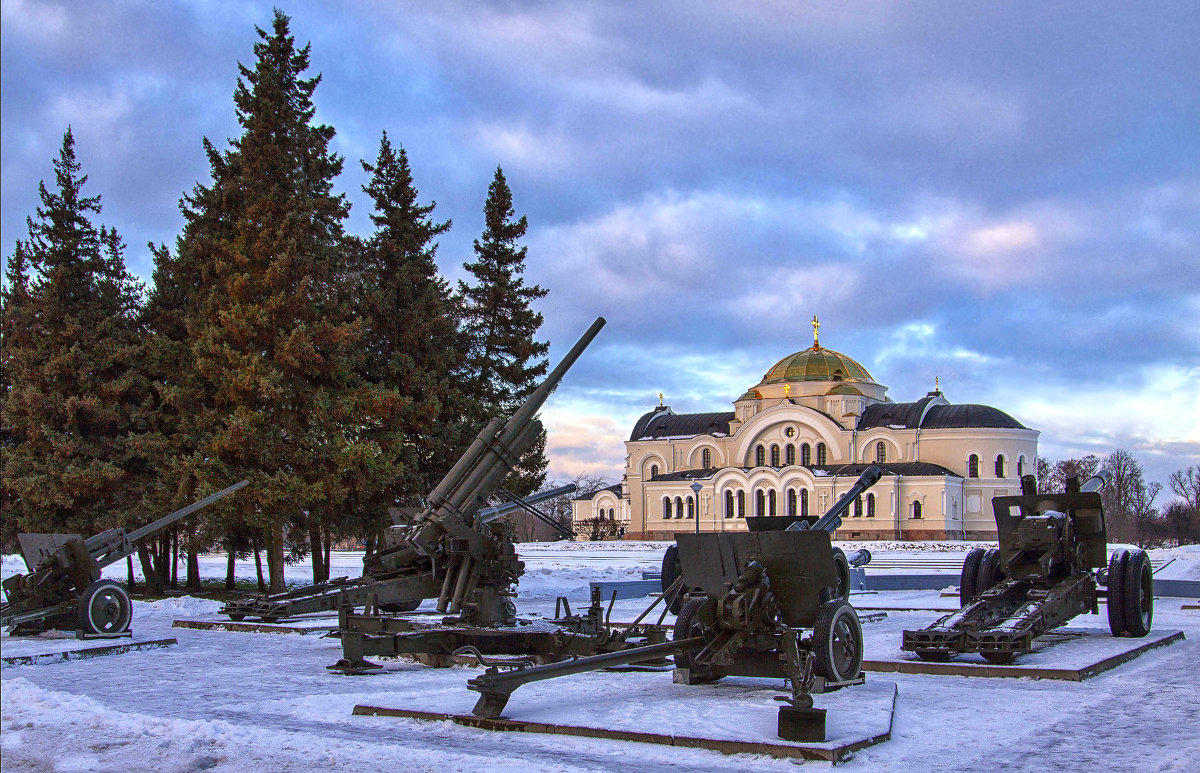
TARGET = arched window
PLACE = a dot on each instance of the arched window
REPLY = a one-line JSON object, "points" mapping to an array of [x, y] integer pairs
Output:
{"points": [[973, 466], [805, 455], [774, 456], [791, 503], [654, 471], [760, 456], [760, 503], [999, 465], [728, 503], [822, 456], [1020, 466], [789, 454], [870, 505], [691, 505], [916, 509], [803, 501], [771, 506], [880, 452], [612, 515], [706, 459], [678, 507], [741, 504], [858, 506], [666, 508]]}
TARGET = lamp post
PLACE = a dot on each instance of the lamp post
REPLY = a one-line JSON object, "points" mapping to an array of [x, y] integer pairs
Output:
{"points": [[695, 487]]}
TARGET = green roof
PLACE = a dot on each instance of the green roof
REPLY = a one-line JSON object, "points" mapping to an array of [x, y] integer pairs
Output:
{"points": [[816, 364]]}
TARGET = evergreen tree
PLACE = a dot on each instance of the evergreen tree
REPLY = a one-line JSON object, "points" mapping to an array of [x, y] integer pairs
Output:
{"points": [[411, 343], [16, 329], [504, 360], [274, 339], [72, 411]]}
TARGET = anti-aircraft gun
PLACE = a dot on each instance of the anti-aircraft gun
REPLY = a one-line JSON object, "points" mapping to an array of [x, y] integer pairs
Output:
{"points": [[64, 590], [1050, 566], [758, 603]]}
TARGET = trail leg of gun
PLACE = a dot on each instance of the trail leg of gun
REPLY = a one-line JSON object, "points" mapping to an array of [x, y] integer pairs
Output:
{"points": [[460, 587]]}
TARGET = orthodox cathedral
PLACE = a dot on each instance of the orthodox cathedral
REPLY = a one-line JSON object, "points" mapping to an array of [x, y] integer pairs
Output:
{"points": [[799, 438]]}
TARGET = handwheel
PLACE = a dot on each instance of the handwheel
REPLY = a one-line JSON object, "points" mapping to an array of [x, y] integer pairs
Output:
{"points": [[105, 608], [970, 572], [671, 571], [837, 641], [1118, 565], [1138, 591]]}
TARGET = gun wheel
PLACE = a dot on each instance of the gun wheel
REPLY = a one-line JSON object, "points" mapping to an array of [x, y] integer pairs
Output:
{"points": [[837, 641], [671, 570], [970, 572], [1118, 565], [990, 573], [105, 608], [1138, 592], [687, 625], [842, 566]]}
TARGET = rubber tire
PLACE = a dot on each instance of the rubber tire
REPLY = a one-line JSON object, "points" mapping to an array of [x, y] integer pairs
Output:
{"points": [[104, 592], [1138, 591], [836, 634], [970, 574], [989, 572], [671, 570], [1118, 565], [688, 625], [400, 606], [999, 658], [841, 565]]}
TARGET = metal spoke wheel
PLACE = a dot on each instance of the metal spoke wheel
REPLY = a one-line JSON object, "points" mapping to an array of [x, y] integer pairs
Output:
{"points": [[970, 572], [837, 641], [671, 569], [105, 608], [1138, 592], [1118, 565]]}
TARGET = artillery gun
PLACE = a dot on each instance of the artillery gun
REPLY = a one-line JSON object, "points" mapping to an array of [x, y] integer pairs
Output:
{"points": [[384, 586], [64, 590], [1051, 566], [760, 603]]}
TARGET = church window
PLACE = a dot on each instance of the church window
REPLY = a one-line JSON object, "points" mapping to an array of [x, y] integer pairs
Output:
{"points": [[999, 465], [666, 508], [612, 516], [654, 471], [771, 507], [870, 505], [973, 466], [916, 509], [678, 507], [728, 504], [803, 501], [706, 459], [880, 452], [691, 505], [741, 504], [774, 456], [760, 502], [791, 502], [789, 455], [805, 455], [858, 506], [1020, 466], [760, 456], [822, 456]]}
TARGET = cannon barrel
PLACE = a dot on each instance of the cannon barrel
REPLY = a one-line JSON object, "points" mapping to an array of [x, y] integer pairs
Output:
{"points": [[489, 514], [1097, 481], [833, 517]]}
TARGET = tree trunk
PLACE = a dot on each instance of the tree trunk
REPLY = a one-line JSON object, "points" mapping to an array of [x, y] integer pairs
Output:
{"points": [[149, 570], [129, 568], [164, 555], [193, 559], [275, 558], [328, 550], [175, 557], [317, 550], [369, 543], [262, 585], [230, 566]]}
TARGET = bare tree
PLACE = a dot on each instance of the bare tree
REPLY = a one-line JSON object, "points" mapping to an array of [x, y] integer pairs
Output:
{"points": [[1128, 500], [526, 528], [1183, 516], [1052, 476]]}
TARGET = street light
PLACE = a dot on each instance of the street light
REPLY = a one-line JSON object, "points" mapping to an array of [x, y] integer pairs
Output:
{"points": [[695, 487]]}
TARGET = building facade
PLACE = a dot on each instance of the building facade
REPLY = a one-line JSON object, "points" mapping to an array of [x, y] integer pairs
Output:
{"points": [[797, 440]]}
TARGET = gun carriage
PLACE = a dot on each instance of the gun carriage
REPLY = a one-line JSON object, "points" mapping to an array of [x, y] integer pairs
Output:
{"points": [[1051, 565], [64, 589], [765, 603]]}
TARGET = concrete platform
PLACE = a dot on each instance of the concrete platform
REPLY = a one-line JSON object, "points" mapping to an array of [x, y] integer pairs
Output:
{"points": [[82, 653], [1069, 654], [739, 716]]}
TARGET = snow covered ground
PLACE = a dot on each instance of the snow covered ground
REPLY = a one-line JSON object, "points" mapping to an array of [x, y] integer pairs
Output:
{"points": [[227, 701]]}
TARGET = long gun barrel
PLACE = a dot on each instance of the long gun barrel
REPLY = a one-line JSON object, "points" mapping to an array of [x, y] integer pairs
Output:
{"points": [[833, 517], [1097, 481], [489, 514]]}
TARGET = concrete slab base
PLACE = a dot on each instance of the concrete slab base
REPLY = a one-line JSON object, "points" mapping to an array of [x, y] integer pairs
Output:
{"points": [[84, 653]]}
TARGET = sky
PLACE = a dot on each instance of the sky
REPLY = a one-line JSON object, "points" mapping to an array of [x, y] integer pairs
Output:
{"points": [[1001, 196]]}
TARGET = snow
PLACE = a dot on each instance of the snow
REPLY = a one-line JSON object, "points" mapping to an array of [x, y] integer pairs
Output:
{"points": [[225, 701]]}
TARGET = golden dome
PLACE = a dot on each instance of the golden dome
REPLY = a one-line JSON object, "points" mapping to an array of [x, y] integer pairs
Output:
{"points": [[816, 364]]}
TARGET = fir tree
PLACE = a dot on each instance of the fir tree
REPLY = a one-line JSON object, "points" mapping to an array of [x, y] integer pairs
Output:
{"points": [[72, 410], [504, 360]]}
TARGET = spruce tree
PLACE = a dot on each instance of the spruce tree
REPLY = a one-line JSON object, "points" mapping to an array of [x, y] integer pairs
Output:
{"points": [[504, 360], [74, 391]]}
